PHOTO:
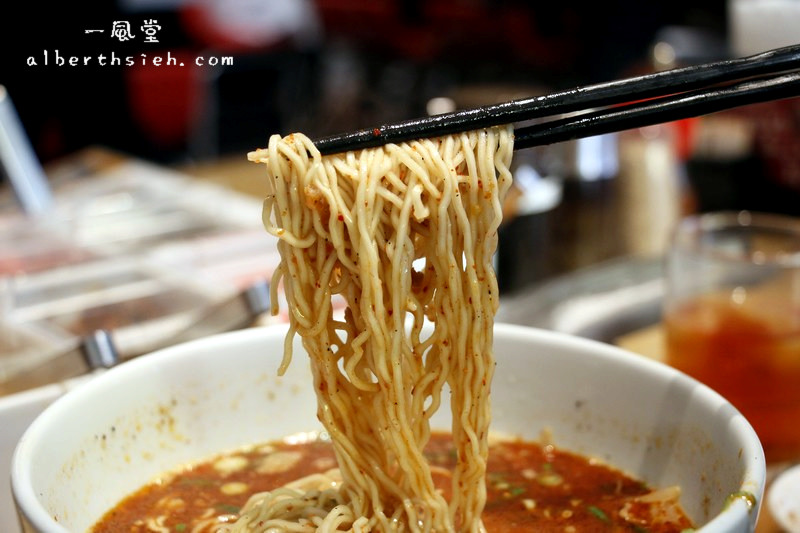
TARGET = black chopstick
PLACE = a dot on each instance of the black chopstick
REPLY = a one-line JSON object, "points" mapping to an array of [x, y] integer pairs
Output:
{"points": [[657, 111], [615, 92]]}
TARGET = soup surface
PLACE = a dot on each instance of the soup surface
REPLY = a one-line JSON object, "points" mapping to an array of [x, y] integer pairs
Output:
{"points": [[530, 487]]}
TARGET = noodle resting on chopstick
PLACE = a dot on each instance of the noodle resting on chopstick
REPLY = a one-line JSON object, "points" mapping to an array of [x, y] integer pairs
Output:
{"points": [[403, 235]]}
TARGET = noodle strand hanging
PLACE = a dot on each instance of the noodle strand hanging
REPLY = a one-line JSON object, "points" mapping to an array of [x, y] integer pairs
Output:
{"points": [[403, 235]]}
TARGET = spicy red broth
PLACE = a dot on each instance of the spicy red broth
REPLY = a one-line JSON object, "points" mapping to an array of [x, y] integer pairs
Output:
{"points": [[530, 487]]}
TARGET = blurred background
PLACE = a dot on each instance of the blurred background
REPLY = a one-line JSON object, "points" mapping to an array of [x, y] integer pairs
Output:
{"points": [[319, 66], [327, 66]]}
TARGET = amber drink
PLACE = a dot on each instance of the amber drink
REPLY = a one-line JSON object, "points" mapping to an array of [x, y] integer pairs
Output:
{"points": [[732, 317]]}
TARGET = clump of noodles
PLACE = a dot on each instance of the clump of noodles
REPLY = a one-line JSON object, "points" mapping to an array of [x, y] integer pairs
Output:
{"points": [[404, 234]]}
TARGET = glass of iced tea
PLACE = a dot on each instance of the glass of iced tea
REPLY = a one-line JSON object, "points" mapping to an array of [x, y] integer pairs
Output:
{"points": [[732, 317]]}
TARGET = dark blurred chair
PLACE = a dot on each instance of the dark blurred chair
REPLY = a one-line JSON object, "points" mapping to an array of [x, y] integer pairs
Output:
{"points": [[210, 109]]}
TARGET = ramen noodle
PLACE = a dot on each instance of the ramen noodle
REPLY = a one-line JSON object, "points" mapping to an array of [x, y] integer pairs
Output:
{"points": [[404, 234]]}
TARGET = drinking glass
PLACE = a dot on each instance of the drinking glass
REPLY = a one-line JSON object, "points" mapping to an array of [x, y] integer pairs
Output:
{"points": [[732, 317]]}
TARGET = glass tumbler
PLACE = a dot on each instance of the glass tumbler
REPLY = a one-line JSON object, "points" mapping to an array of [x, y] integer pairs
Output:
{"points": [[732, 317]]}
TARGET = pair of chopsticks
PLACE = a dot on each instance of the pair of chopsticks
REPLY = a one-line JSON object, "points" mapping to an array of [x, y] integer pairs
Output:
{"points": [[606, 107]]}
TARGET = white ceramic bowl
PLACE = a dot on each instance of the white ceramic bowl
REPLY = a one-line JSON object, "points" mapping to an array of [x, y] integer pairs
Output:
{"points": [[108, 437]]}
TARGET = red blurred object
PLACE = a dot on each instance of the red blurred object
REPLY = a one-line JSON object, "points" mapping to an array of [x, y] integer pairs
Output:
{"points": [[164, 99], [427, 30], [208, 31], [777, 138]]}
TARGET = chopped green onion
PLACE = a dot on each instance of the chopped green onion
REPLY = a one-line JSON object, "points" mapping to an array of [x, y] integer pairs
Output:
{"points": [[599, 513], [180, 527]]}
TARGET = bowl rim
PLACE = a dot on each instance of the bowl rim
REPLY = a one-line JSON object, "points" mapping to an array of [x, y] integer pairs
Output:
{"points": [[31, 512]]}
